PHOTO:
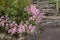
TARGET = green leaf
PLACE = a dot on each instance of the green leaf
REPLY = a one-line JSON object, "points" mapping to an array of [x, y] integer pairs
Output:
{"points": [[25, 34], [14, 9], [25, 16], [32, 22], [2, 29]]}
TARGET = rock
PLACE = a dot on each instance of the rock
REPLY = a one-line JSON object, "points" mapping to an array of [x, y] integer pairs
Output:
{"points": [[2, 35], [51, 34], [22, 38], [51, 29]]}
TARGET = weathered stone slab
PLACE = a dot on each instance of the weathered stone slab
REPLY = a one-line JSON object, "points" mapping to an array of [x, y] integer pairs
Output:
{"points": [[51, 34], [51, 29]]}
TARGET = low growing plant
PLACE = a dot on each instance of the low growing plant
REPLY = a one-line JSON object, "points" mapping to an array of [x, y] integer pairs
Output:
{"points": [[19, 17]]}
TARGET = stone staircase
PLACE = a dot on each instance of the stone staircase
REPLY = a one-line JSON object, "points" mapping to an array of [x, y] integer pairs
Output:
{"points": [[49, 9], [51, 23]]}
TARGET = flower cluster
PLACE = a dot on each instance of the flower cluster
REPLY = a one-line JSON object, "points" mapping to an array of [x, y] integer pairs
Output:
{"points": [[13, 28], [37, 16]]}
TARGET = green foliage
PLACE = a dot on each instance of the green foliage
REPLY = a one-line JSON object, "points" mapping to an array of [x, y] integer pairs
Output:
{"points": [[14, 8], [2, 29], [2, 9], [25, 34], [32, 22], [23, 3], [52, 1], [59, 4]]}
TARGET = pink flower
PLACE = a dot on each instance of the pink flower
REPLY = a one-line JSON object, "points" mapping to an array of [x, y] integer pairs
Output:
{"points": [[33, 10], [30, 29], [3, 24], [2, 17], [37, 16], [12, 31], [12, 24], [21, 29], [32, 17]]}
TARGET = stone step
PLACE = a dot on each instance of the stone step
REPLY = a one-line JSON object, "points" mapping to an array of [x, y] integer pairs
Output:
{"points": [[51, 21], [50, 10], [41, 2], [52, 17]]}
